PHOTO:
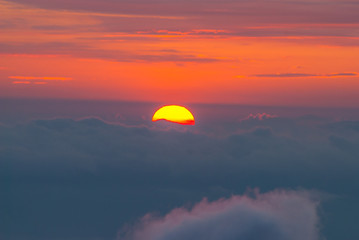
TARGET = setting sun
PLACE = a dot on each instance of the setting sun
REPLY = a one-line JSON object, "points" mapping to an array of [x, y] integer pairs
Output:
{"points": [[174, 113]]}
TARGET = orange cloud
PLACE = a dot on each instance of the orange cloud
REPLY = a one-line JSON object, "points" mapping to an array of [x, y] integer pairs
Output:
{"points": [[21, 82]]}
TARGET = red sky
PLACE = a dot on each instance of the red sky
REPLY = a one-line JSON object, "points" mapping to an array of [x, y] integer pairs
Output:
{"points": [[247, 52]]}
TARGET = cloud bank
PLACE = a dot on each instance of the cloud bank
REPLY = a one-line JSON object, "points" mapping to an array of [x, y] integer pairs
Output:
{"points": [[277, 215], [98, 176]]}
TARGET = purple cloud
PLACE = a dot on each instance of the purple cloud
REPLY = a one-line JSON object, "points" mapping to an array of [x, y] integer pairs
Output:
{"points": [[305, 75], [328, 24], [84, 51], [342, 74], [219, 12]]}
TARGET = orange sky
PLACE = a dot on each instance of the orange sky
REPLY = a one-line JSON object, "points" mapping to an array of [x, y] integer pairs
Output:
{"points": [[228, 52]]}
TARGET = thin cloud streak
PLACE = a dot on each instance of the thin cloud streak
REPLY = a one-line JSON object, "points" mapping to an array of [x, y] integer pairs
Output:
{"points": [[96, 14], [305, 75], [21, 82], [41, 78], [88, 52]]}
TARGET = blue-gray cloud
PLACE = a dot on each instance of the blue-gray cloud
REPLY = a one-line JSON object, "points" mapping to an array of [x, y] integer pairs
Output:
{"points": [[98, 175]]}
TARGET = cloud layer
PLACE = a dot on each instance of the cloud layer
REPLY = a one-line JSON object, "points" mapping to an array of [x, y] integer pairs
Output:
{"points": [[85, 178]]}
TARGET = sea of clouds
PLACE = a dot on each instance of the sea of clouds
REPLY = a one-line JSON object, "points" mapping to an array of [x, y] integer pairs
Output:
{"points": [[86, 178]]}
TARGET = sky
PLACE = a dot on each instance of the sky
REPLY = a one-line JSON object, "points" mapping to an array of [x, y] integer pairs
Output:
{"points": [[273, 88], [277, 52]]}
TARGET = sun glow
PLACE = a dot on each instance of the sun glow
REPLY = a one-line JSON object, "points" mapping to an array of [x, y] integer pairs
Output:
{"points": [[174, 113]]}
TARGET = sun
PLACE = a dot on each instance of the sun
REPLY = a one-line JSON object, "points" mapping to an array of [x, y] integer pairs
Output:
{"points": [[174, 113]]}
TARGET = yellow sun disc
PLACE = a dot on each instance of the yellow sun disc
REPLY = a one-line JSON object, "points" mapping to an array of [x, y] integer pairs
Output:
{"points": [[174, 113]]}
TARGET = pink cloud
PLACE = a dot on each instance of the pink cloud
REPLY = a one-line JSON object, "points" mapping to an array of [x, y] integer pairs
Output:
{"points": [[275, 215]]}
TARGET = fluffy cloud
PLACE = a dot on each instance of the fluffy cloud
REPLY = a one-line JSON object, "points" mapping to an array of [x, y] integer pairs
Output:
{"points": [[274, 216]]}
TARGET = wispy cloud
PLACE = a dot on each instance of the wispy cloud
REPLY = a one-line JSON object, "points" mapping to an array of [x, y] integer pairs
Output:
{"points": [[41, 78], [21, 82], [96, 14], [84, 51], [216, 12]]}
